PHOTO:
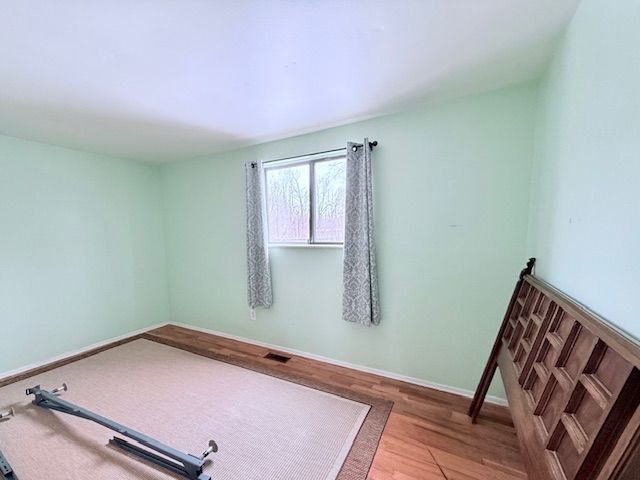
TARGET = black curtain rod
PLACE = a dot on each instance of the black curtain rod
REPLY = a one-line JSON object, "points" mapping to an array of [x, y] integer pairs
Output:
{"points": [[335, 150]]}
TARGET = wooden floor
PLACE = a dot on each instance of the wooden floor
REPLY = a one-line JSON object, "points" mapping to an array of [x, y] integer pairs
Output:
{"points": [[428, 435]]}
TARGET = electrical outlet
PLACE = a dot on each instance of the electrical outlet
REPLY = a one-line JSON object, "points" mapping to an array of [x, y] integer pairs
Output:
{"points": [[252, 314]]}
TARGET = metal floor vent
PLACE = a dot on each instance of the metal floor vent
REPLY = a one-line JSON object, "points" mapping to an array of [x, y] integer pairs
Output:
{"points": [[277, 358]]}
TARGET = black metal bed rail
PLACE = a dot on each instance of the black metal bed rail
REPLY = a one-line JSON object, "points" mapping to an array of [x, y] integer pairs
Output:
{"points": [[184, 464], [5, 469]]}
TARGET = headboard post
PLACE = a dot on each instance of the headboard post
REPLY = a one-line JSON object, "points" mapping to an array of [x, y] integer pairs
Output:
{"points": [[492, 363]]}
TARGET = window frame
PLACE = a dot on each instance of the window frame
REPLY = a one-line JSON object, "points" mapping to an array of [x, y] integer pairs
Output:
{"points": [[311, 161]]}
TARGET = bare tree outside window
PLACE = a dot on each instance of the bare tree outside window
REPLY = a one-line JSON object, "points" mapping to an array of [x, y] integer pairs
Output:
{"points": [[289, 193], [288, 204], [330, 179]]}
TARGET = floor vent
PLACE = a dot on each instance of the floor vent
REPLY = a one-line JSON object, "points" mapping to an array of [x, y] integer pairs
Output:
{"points": [[277, 358]]}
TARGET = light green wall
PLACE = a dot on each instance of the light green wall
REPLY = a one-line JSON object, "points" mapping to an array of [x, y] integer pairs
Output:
{"points": [[452, 192], [82, 254], [585, 211], [82, 243]]}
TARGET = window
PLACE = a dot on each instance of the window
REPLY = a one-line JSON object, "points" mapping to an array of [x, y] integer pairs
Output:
{"points": [[305, 200]]}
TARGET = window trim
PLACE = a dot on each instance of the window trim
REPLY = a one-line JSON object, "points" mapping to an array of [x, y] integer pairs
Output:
{"points": [[310, 160]]}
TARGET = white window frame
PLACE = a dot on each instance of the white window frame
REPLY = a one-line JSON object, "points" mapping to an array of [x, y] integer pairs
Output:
{"points": [[310, 160]]}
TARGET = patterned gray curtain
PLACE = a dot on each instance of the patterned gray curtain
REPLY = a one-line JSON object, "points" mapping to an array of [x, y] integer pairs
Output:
{"points": [[258, 270], [360, 300]]}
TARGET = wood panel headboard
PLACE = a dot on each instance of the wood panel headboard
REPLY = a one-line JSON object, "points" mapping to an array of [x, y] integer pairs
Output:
{"points": [[573, 385]]}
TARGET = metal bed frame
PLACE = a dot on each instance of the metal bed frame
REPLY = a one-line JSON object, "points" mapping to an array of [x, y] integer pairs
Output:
{"points": [[156, 452], [5, 467]]}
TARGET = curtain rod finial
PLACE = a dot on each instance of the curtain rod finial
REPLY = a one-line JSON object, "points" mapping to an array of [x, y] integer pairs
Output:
{"points": [[371, 145]]}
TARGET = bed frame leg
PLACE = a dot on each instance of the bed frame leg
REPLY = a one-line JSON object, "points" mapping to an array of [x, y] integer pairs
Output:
{"points": [[492, 364]]}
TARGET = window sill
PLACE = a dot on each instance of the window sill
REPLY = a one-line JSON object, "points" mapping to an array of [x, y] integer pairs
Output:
{"points": [[306, 245]]}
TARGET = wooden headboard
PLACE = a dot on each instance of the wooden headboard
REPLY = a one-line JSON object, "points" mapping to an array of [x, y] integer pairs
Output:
{"points": [[573, 385]]}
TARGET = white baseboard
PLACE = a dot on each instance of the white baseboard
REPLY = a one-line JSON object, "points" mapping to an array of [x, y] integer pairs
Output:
{"points": [[383, 373], [80, 351]]}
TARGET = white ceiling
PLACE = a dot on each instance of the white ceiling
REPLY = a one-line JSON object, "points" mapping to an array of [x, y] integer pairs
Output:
{"points": [[166, 80]]}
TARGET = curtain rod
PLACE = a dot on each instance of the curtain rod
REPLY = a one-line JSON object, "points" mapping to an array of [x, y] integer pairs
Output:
{"points": [[335, 150]]}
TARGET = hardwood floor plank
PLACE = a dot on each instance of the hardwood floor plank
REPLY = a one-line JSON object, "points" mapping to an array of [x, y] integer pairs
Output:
{"points": [[473, 469]]}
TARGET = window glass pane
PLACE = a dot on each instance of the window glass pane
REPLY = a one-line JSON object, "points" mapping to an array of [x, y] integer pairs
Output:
{"points": [[287, 191], [330, 182]]}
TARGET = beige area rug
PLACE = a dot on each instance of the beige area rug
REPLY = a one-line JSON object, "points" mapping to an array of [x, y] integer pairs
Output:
{"points": [[266, 427]]}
